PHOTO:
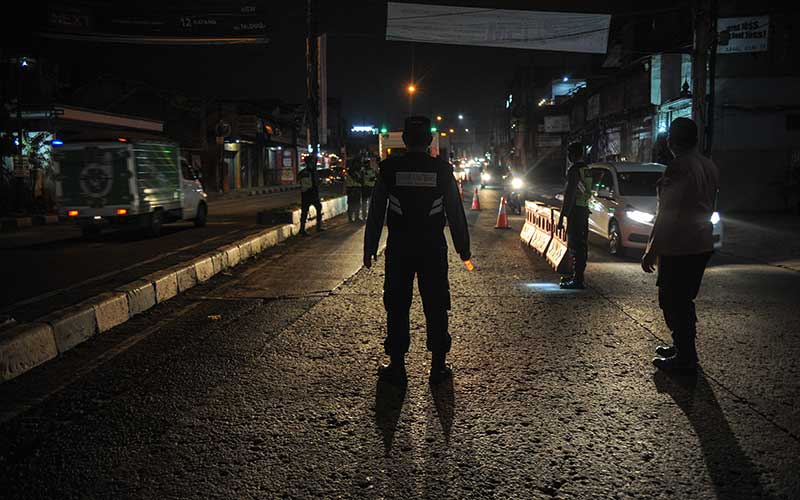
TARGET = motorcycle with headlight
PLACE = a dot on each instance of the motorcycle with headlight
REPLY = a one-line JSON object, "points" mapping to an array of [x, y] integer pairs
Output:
{"points": [[516, 190]]}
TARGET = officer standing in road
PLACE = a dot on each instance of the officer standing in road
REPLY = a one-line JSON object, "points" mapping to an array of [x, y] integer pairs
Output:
{"points": [[422, 195], [576, 208], [309, 193], [681, 241], [352, 184], [368, 179]]}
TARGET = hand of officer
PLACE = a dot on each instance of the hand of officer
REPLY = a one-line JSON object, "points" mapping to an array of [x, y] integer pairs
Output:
{"points": [[560, 223], [649, 262], [368, 260]]}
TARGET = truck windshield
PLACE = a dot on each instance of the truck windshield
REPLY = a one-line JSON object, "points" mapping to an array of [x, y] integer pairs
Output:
{"points": [[638, 183]]}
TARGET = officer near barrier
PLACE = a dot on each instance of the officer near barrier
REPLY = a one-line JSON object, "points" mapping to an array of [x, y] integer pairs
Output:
{"points": [[576, 208], [309, 194], [352, 184], [421, 195], [368, 179]]}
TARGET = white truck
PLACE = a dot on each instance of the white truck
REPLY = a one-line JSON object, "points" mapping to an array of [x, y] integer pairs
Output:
{"points": [[138, 184]]}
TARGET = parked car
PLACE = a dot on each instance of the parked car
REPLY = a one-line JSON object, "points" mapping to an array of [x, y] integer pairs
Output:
{"points": [[132, 184], [623, 205]]}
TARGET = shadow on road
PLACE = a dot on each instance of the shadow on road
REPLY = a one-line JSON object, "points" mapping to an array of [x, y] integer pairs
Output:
{"points": [[445, 401], [731, 470], [389, 401]]}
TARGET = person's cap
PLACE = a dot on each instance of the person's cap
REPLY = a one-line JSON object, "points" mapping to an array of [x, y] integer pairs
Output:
{"points": [[417, 124]]}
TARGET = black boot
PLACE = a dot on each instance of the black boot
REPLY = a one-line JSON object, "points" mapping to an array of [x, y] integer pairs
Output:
{"points": [[439, 369], [395, 372]]}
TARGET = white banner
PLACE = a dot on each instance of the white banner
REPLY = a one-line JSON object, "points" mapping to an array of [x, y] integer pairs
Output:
{"points": [[742, 34], [519, 29]]}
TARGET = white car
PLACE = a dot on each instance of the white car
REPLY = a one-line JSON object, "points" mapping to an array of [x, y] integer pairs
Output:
{"points": [[623, 205]]}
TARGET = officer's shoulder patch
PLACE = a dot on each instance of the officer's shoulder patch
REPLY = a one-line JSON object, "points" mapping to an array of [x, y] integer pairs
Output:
{"points": [[415, 179]]}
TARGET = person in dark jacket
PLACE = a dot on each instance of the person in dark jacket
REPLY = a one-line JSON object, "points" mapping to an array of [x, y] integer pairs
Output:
{"points": [[422, 196], [576, 209], [309, 193]]}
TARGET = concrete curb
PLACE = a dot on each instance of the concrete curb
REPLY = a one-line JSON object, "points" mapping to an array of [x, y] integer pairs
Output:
{"points": [[23, 347]]}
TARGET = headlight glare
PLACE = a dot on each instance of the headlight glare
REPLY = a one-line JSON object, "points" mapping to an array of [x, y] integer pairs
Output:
{"points": [[715, 218], [638, 216], [517, 183]]}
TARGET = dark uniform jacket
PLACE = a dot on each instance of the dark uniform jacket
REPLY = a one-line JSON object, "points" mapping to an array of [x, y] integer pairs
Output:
{"points": [[417, 195]]}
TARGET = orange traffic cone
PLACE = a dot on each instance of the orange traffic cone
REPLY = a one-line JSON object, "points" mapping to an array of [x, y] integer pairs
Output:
{"points": [[469, 177], [476, 202], [502, 217]]}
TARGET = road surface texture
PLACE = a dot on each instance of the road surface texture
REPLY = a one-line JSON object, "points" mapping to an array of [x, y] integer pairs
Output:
{"points": [[54, 266], [262, 384]]}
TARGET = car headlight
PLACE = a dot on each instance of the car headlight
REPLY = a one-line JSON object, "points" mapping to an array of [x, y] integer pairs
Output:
{"points": [[715, 218], [486, 177], [638, 216], [516, 183]]}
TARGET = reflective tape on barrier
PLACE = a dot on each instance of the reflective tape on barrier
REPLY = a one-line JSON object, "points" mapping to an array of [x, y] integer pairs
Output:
{"points": [[540, 232]]}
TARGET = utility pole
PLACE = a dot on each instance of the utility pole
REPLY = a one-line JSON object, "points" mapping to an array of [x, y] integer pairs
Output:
{"points": [[704, 14], [312, 84]]}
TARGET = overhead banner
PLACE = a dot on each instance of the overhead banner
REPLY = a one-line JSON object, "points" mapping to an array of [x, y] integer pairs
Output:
{"points": [[742, 34], [518, 29], [223, 23]]}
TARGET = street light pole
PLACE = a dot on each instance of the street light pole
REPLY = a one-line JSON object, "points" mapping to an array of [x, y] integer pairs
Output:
{"points": [[312, 91]]}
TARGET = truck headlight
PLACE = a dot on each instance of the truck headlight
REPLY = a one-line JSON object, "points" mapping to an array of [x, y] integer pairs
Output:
{"points": [[715, 218], [516, 183], [486, 177], [638, 216]]}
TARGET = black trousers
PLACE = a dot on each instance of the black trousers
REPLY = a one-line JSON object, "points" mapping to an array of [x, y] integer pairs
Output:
{"points": [[398, 287], [353, 202], [307, 201], [578, 239], [679, 278]]}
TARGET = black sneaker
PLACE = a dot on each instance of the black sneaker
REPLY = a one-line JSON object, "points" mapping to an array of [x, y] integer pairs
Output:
{"points": [[666, 351], [676, 364], [440, 374], [393, 375], [572, 284]]}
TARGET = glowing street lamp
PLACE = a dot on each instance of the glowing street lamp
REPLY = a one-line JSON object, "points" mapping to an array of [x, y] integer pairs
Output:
{"points": [[411, 88], [438, 118], [460, 117]]}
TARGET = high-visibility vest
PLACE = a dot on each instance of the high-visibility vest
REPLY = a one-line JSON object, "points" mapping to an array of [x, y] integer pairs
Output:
{"points": [[369, 177], [584, 187], [353, 178]]}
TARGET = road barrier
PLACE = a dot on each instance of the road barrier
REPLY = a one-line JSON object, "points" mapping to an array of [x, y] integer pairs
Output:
{"points": [[27, 345], [541, 233]]}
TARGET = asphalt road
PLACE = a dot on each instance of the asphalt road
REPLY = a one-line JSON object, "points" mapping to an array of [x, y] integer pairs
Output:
{"points": [[54, 266], [261, 384]]}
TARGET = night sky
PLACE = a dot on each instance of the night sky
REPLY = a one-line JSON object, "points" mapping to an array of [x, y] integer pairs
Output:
{"points": [[366, 72]]}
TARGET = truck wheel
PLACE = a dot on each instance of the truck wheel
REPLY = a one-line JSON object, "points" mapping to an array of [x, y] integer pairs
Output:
{"points": [[155, 223], [202, 216]]}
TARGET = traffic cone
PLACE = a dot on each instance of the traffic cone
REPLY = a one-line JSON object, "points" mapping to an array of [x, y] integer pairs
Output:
{"points": [[469, 177], [476, 202], [502, 217]]}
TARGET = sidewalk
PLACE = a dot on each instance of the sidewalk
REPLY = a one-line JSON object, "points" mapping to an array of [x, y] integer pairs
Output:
{"points": [[769, 238]]}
